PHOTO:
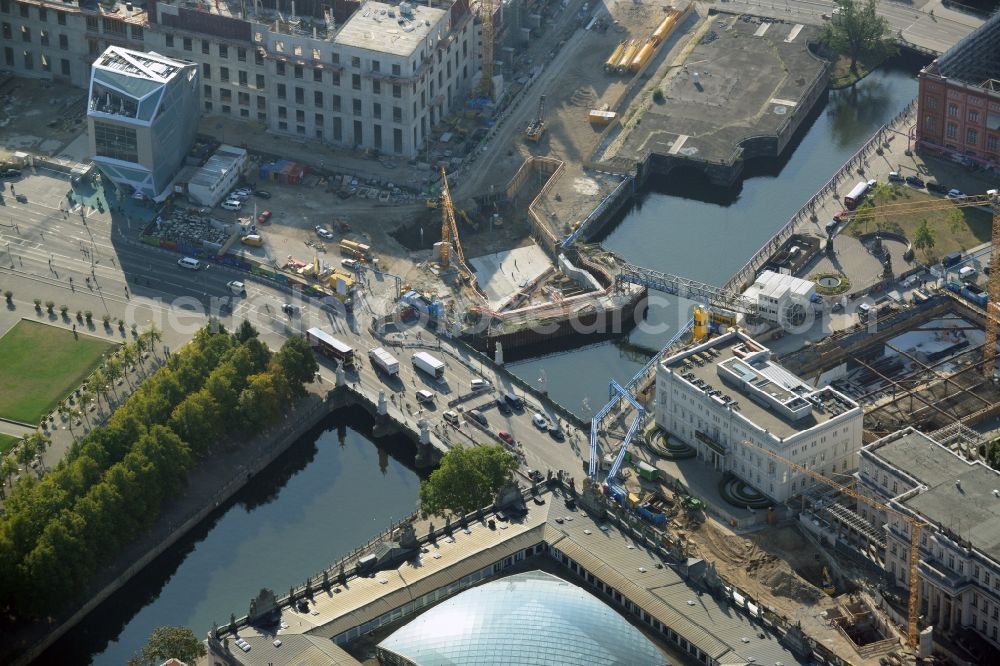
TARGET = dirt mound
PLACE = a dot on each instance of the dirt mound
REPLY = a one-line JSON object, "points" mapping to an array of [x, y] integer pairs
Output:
{"points": [[785, 583]]}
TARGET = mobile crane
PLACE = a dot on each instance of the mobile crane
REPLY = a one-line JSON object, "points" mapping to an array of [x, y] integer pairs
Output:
{"points": [[916, 527]]}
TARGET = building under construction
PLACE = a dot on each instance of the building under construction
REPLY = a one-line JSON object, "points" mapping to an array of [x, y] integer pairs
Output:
{"points": [[917, 365], [958, 106]]}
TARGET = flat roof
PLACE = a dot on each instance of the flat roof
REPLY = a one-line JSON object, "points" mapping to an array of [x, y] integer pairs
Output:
{"points": [[222, 161], [393, 29], [699, 367], [960, 493], [139, 64], [611, 555]]}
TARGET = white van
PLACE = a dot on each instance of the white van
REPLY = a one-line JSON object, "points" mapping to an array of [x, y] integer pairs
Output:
{"points": [[967, 272], [189, 263], [232, 205]]}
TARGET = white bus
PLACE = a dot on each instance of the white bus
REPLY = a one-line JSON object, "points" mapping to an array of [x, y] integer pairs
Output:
{"points": [[330, 346]]}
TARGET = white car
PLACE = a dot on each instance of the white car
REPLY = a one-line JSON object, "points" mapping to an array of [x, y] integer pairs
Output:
{"points": [[189, 263], [232, 205], [479, 384], [242, 195], [237, 288], [540, 421]]}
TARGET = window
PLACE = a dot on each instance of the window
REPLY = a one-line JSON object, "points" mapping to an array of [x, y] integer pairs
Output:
{"points": [[29, 60], [377, 111], [317, 54], [8, 56], [224, 74], [932, 103], [92, 24], [242, 77], [318, 119], [116, 142], [318, 75], [356, 62], [376, 66], [241, 54], [300, 95], [335, 76], [971, 136], [223, 51], [282, 125], [262, 117], [226, 108], [206, 71], [952, 131], [338, 130], [377, 87], [226, 95], [65, 67], [298, 71], [61, 18], [335, 58], [24, 10], [43, 37], [397, 114], [205, 46], [25, 34], [991, 142], [336, 103], [243, 98], [279, 68], [397, 90], [187, 44], [281, 91], [300, 116], [356, 81], [396, 71], [357, 107], [282, 112], [206, 91], [261, 102], [260, 82], [244, 113], [137, 33], [169, 41], [7, 31], [953, 111], [318, 99], [973, 116]]}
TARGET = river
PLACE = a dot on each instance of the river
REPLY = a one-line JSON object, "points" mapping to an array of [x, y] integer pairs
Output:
{"points": [[682, 225], [336, 488], [332, 490]]}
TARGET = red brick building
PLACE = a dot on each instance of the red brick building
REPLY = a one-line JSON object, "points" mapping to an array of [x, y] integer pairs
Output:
{"points": [[958, 106]]}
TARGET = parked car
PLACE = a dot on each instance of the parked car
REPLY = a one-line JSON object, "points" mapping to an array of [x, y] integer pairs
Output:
{"points": [[477, 416], [263, 194], [10, 173], [231, 204], [514, 400], [871, 185], [189, 263], [557, 433], [937, 188], [21, 198], [479, 384], [264, 217], [955, 194], [350, 264], [290, 309], [256, 240], [540, 421], [839, 215], [423, 395], [915, 181], [535, 475], [451, 417], [896, 177], [242, 193], [506, 437], [237, 287], [503, 407], [323, 232]]}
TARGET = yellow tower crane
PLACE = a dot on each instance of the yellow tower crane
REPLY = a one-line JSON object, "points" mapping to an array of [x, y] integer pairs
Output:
{"points": [[990, 199], [915, 529], [449, 230]]}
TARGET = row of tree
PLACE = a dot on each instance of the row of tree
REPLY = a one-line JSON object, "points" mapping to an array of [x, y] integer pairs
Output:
{"points": [[59, 531]]}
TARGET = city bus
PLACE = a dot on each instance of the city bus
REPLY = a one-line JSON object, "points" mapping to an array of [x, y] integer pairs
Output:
{"points": [[330, 346]]}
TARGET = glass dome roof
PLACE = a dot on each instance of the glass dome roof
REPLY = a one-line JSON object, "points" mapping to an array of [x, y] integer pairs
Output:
{"points": [[529, 618]]}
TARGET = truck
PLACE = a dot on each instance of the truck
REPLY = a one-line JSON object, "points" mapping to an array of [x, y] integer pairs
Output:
{"points": [[385, 361], [355, 250], [647, 471], [427, 363]]}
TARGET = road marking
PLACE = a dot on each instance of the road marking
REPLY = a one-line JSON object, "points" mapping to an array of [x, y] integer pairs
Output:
{"points": [[783, 102], [761, 29], [678, 144], [794, 33]]}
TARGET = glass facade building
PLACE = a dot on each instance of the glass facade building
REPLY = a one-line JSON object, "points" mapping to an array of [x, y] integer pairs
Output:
{"points": [[143, 112], [527, 618]]}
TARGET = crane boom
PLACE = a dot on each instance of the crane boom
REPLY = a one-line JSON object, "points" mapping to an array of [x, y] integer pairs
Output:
{"points": [[486, 9], [915, 529], [990, 199], [449, 230]]}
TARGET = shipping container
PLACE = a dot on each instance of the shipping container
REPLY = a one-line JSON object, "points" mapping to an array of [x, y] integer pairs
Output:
{"points": [[648, 472]]}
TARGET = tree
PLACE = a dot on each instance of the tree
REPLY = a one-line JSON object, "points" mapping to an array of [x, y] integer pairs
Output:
{"points": [[8, 468], [923, 238], [245, 331], [858, 31], [297, 361], [956, 222], [126, 353], [467, 479], [113, 369], [169, 642], [263, 400]]}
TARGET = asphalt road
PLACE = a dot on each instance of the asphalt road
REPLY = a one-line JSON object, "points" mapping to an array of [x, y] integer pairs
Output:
{"points": [[43, 247]]}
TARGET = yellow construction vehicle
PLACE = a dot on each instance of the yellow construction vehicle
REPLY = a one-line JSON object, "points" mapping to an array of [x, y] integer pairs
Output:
{"points": [[449, 230], [828, 586], [536, 128]]}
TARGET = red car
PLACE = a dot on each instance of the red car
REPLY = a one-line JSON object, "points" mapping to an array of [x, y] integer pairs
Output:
{"points": [[506, 436], [264, 217]]}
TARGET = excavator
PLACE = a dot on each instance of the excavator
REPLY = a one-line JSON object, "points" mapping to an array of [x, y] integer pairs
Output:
{"points": [[536, 128]]}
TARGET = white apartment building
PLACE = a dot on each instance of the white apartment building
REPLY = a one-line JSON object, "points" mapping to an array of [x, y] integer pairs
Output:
{"points": [[371, 75], [727, 391], [959, 503], [142, 116], [782, 299]]}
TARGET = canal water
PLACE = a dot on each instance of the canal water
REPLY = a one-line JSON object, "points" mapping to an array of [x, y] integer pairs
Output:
{"points": [[332, 490], [684, 226]]}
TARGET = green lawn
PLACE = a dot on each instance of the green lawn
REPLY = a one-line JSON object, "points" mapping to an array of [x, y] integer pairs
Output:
{"points": [[40, 365], [6, 442], [973, 229]]}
